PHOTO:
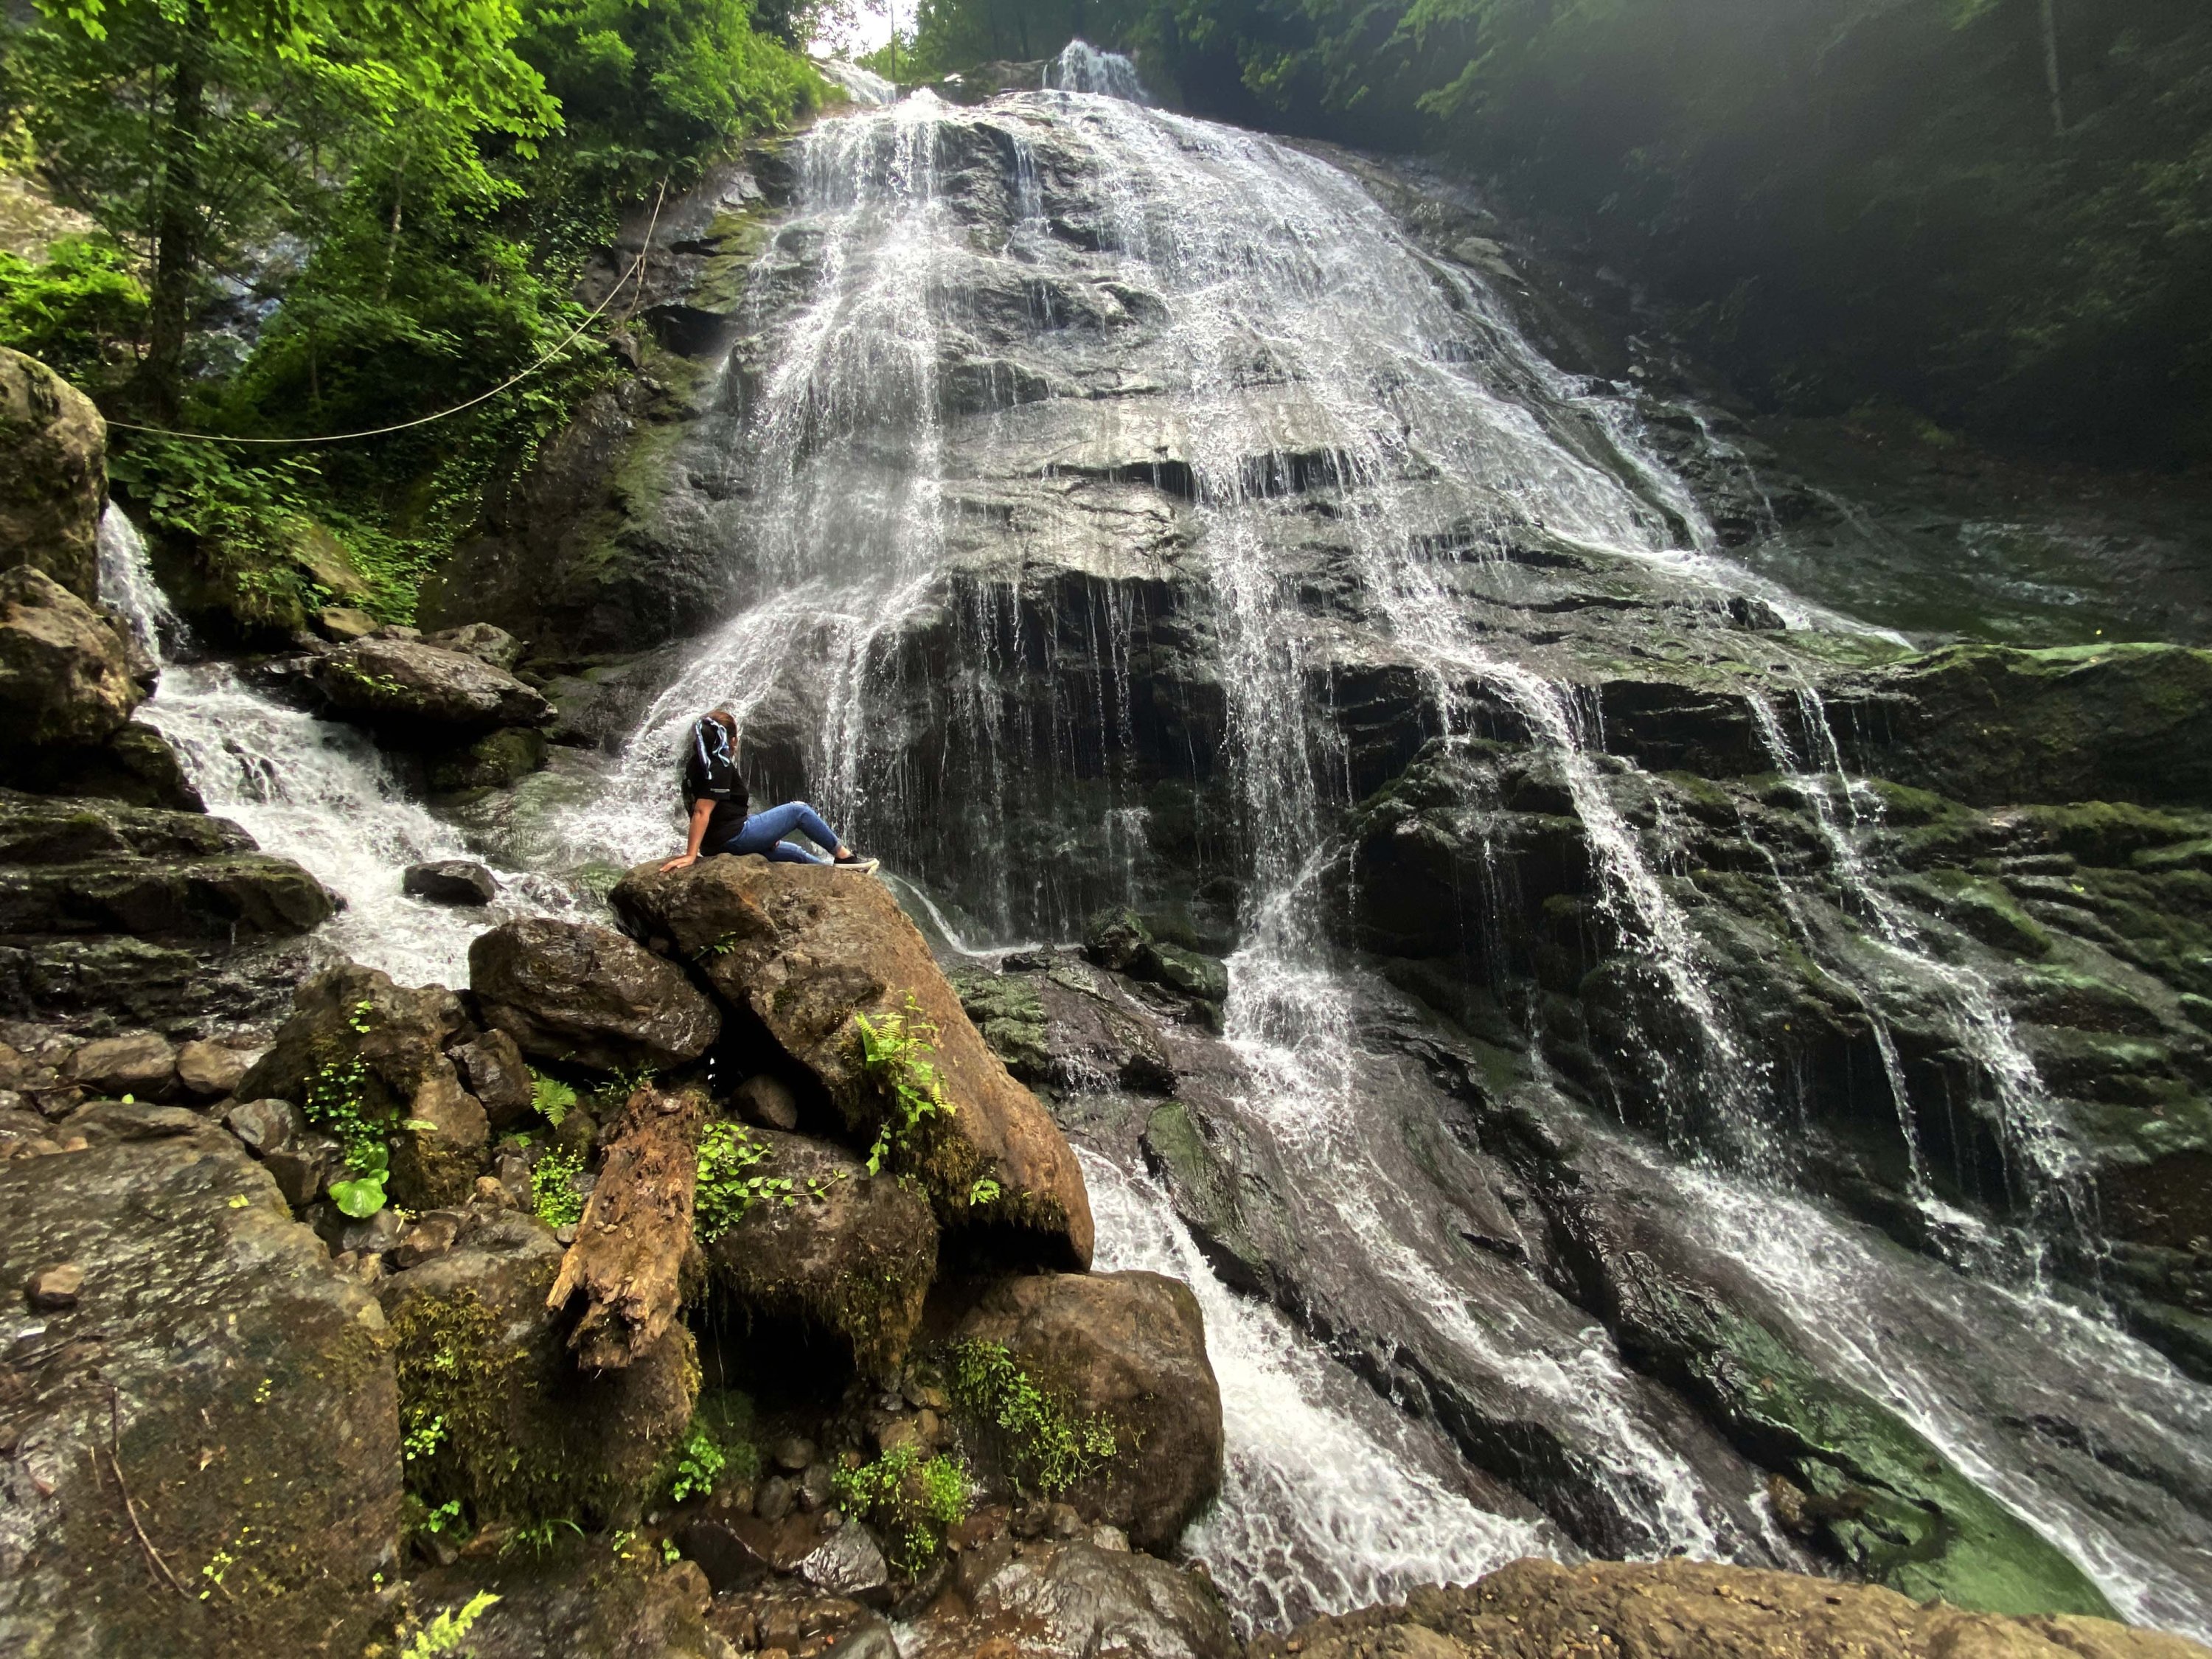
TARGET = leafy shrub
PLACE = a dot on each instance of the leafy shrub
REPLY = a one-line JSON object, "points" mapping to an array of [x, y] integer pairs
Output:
{"points": [[913, 1503], [1043, 1442], [898, 1055], [729, 1181], [79, 312]]}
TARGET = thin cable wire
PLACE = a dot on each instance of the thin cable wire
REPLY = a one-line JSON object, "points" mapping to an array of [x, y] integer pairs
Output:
{"points": [[636, 269]]}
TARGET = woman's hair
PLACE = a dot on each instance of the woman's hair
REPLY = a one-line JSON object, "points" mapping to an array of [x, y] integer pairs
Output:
{"points": [[712, 733]]}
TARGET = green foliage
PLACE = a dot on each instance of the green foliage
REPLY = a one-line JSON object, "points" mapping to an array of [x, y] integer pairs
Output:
{"points": [[335, 1101], [539, 1537], [898, 1055], [718, 1443], [549, 1097], [553, 1193], [1044, 1444], [79, 312], [731, 1180], [913, 1503], [431, 178], [445, 1633]]}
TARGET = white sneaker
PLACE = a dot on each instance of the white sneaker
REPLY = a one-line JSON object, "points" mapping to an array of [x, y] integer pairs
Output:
{"points": [[865, 867]]}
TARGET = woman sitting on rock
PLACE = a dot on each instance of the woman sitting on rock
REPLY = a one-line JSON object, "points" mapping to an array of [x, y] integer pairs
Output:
{"points": [[715, 796]]}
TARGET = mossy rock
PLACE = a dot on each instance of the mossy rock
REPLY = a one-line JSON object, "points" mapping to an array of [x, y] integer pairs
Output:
{"points": [[838, 1249], [1008, 1011], [498, 760], [499, 1416], [1877, 1494]]}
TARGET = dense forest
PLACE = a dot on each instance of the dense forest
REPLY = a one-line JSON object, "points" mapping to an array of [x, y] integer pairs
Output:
{"points": [[294, 220], [1998, 212]]}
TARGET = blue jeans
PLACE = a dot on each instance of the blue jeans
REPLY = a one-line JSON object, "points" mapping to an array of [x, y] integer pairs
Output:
{"points": [[764, 832]]}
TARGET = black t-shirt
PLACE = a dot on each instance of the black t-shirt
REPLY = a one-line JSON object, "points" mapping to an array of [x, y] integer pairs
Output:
{"points": [[714, 777]]}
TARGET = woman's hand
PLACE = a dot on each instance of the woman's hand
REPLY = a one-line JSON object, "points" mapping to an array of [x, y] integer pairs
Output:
{"points": [[680, 861]]}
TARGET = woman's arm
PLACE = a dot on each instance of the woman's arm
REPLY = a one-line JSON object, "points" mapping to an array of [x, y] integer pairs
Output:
{"points": [[702, 810]]}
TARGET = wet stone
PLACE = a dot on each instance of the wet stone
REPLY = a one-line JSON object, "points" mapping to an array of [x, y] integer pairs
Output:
{"points": [[266, 1127], [774, 1500], [450, 881], [143, 1064], [849, 1564], [54, 1287], [424, 1238], [768, 1101], [793, 1455], [213, 1070]]}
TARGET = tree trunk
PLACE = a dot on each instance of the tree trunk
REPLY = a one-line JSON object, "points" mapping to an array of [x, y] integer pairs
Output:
{"points": [[177, 225], [2050, 69], [636, 1230]]}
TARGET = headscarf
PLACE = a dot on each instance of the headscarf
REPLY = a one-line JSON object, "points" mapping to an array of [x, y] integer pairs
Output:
{"points": [[712, 739]]}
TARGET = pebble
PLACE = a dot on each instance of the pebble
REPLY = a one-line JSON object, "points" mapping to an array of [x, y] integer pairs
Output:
{"points": [[55, 1286]]}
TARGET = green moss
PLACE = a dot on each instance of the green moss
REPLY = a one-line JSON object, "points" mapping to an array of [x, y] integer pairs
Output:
{"points": [[912, 1501], [1010, 1015], [1985, 909], [1886, 1500]]}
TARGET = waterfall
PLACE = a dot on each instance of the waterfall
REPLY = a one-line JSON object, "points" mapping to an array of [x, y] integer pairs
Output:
{"points": [[1081, 67], [1322, 444], [313, 790]]}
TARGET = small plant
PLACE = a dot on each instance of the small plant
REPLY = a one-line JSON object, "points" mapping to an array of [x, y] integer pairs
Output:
{"points": [[912, 1502], [423, 1438], [553, 1193], [1044, 1444], [898, 1053], [336, 1103], [539, 1536], [730, 1182], [985, 1191], [445, 1633], [670, 1554], [699, 1463], [550, 1098]]}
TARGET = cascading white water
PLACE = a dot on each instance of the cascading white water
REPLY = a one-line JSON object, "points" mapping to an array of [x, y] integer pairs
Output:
{"points": [[313, 790], [1330, 1499], [1081, 67]]}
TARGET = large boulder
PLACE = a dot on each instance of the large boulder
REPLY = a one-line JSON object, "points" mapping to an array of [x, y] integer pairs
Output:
{"points": [[570, 991], [1126, 1349], [1534, 1610], [66, 677], [53, 475], [355, 1034], [524, 1435], [80, 866], [854, 1255], [1075, 1599], [805, 949], [204, 1445], [423, 692]]}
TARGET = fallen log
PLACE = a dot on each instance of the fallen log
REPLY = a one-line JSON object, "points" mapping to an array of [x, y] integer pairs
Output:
{"points": [[636, 1230]]}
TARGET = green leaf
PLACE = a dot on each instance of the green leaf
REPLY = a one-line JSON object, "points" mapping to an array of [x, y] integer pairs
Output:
{"points": [[360, 1198]]}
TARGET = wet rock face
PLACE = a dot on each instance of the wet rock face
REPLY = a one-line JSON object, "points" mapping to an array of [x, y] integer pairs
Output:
{"points": [[422, 688], [850, 1253], [1538, 1609], [1853, 1478], [581, 1602], [804, 948], [1128, 1349], [145, 915], [569, 991], [53, 475], [242, 1386]]}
